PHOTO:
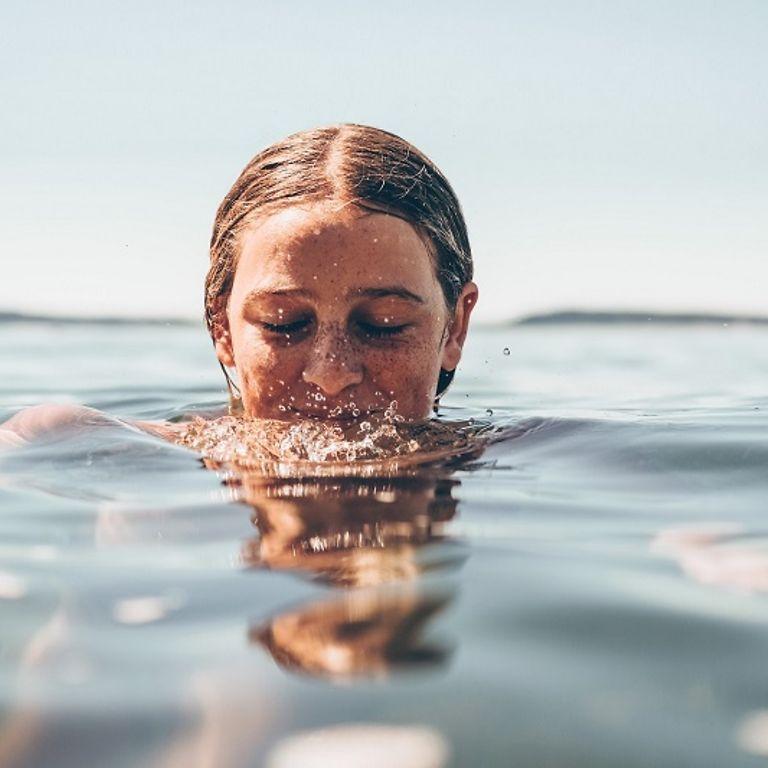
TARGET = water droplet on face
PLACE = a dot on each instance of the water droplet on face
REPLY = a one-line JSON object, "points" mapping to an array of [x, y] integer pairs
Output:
{"points": [[391, 410], [506, 351]]}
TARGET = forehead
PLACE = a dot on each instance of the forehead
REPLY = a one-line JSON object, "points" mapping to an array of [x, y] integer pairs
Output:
{"points": [[331, 246]]}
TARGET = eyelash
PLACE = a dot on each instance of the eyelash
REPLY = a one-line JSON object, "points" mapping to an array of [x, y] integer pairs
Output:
{"points": [[298, 325], [381, 331], [372, 331]]}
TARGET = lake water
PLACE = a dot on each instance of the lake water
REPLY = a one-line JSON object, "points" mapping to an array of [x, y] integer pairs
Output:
{"points": [[591, 591]]}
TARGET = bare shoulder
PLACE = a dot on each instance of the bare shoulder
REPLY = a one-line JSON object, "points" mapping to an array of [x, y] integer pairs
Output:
{"points": [[52, 420], [39, 420]]}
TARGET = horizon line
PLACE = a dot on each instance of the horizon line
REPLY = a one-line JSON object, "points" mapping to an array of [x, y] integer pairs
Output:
{"points": [[555, 317]]}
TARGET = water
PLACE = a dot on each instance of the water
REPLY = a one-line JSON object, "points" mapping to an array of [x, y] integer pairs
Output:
{"points": [[590, 591]]}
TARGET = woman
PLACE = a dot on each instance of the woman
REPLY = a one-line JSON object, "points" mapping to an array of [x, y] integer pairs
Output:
{"points": [[340, 285]]}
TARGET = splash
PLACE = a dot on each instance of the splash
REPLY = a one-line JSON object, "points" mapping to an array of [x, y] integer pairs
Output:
{"points": [[318, 447]]}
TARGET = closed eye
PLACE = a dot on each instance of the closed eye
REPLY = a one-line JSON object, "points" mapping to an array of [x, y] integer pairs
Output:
{"points": [[294, 327], [380, 331]]}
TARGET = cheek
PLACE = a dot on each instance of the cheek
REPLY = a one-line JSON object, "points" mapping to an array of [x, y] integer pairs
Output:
{"points": [[267, 372], [408, 374]]}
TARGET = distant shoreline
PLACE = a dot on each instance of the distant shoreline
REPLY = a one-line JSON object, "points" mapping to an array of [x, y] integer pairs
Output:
{"points": [[578, 317], [23, 317], [565, 317]]}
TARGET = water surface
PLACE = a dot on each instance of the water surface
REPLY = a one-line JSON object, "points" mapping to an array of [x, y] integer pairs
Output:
{"points": [[590, 591]]}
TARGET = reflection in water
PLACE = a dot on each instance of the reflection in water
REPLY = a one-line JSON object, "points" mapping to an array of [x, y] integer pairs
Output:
{"points": [[361, 634], [372, 537], [351, 531], [376, 540]]}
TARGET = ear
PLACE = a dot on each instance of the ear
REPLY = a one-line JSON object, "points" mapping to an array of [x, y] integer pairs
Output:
{"points": [[457, 330], [222, 339]]}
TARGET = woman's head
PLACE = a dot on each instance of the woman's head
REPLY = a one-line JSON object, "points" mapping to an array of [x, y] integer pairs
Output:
{"points": [[340, 277]]}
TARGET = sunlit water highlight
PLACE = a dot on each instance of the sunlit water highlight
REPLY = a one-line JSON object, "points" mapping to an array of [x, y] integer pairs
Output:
{"points": [[570, 569]]}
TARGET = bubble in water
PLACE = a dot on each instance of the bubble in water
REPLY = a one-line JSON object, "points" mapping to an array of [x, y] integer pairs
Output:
{"points": [[506, 351]]}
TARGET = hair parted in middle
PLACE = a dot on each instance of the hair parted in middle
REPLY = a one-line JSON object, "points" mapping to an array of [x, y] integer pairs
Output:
{"points": [[353, 164]]}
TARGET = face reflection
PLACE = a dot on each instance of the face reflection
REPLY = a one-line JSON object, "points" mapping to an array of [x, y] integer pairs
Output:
{"points": [[335, 312]]}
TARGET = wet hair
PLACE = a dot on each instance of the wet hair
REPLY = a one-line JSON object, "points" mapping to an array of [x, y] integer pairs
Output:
{"points": [[356, 164]]}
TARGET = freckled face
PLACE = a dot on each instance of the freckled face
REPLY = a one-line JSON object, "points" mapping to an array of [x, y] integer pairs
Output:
{"points": [[334, 312]]}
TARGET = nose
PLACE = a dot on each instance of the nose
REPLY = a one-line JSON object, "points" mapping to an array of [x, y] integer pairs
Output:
{"points": [[333, 364]]}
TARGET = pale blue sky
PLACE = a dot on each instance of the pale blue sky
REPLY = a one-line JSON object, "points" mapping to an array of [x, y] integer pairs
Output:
{"points": [[607, 154]]}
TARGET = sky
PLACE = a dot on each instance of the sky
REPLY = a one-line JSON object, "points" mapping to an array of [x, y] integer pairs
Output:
{"points": [[608, 155]]}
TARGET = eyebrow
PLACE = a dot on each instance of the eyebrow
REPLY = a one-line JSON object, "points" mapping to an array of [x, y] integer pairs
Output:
{"points": [[257, 294], [396, 291], [386, 291]]}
